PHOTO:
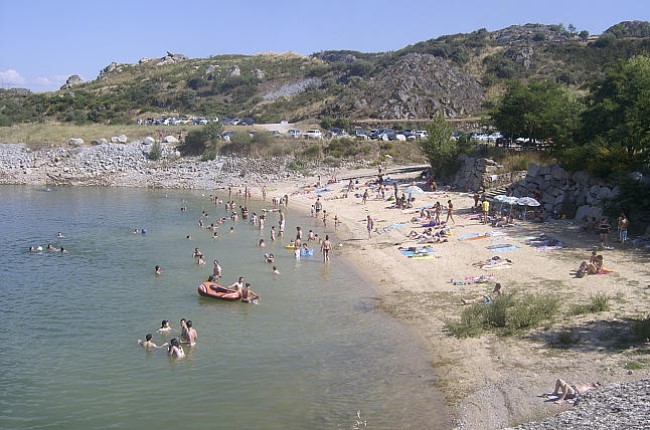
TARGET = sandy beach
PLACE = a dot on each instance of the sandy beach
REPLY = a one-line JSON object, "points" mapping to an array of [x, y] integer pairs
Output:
{"points": [[489, 382]]}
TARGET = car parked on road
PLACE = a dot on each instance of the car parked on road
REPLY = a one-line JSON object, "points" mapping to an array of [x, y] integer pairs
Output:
{"points": [[295, 133], [313, 134]]}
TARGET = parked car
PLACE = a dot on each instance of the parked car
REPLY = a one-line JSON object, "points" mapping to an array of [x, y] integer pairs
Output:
{"points": [[361, 134], [313, 134], [295, 133], [421, 134]]}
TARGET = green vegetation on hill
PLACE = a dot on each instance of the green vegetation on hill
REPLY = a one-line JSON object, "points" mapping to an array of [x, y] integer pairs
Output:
{"points": [[338, 84]]}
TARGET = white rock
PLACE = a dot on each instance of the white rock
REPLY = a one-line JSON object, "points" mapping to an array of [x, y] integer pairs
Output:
{"points": [[76, 141]]}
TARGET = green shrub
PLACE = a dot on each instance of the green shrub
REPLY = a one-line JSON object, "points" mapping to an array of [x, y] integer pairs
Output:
{"points": [[507, 315], [156, 151], [599, 303]]}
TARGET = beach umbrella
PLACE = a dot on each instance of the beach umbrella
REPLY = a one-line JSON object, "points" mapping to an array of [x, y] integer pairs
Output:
{"points": [[527, 201], [413, 189], [503, 199]]}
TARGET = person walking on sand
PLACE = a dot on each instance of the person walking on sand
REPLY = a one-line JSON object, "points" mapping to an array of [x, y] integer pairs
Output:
{"points": [[370, 225], [450, 212], [325, 248]]}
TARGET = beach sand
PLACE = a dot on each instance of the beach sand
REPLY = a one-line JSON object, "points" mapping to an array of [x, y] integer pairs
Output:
{"points": [[489, 382]]}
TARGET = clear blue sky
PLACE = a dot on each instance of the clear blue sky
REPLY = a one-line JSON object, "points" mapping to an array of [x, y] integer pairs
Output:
{"points": [[42, 42]]}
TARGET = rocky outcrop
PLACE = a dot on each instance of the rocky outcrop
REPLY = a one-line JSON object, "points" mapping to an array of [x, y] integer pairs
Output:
{"points": [[483, 173], [574, 195], [290, 89], [419, 85], [530, 34], [234, 71], [171, 58], [72, 81]]}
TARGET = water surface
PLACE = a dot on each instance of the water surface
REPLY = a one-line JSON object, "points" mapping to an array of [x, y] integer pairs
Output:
{"points": [[315, 353]]}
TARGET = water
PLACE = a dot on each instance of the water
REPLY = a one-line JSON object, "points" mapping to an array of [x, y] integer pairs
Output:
{"points": [[315, 353]]}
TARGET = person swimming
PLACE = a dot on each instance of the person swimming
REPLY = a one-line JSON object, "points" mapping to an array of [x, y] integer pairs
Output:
{"points": [[174, 349], [164, 327]]}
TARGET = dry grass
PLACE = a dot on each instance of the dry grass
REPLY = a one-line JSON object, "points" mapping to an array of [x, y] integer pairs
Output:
{"points": [[55, 134]]}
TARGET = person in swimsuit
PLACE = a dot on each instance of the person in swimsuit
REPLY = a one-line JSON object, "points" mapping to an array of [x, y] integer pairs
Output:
{"points": [[174, 349], [192, 335], [603, 230], [149, 344], [216, 270], [450, 212], [325, 248], [183, 324], [164, 327], [248, 295], [569, 392], [370, 224]]}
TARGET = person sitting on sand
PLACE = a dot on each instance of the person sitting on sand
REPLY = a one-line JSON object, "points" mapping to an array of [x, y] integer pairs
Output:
{"points": [[591, 267], [571, 392], [487, 298], [149, 344], [248, 295]]}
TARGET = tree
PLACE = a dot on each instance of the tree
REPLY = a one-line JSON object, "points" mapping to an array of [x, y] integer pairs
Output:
{"points": [[583, 35], [618, 111], [572, 28], [540, 111], [439, 148]]}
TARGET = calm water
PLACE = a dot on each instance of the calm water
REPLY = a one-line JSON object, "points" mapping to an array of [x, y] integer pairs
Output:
{"points": [[313, 354]]}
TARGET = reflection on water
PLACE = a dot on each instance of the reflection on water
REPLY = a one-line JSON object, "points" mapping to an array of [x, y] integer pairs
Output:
{"points": [[315, 353]]}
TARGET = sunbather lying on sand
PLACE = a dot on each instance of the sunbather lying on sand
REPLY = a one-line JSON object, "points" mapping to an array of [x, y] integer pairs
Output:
{"points": [[487, 298]]}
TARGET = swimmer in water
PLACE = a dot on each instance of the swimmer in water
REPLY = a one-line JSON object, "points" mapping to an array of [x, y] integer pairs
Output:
{"points": [[174, 349], [164, 327], [149, 344]]}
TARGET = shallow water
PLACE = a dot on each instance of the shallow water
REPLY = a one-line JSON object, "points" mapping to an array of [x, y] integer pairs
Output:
{"points": [[315, 353]]}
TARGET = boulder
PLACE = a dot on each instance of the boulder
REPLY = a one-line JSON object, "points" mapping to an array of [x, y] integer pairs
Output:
{"points": [[170, 139], [588, 211], [76, 141], [72, 81], [148, 140], [234, 71], [100, 141], [119, 139]]}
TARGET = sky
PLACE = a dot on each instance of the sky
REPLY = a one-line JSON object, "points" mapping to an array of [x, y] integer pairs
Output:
{"points": [[43, 42]]}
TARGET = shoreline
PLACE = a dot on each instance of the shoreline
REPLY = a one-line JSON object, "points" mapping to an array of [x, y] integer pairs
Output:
{"points": [[489, 382]]}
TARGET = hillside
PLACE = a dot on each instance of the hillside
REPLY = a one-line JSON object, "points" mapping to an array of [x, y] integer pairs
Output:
{"points": [[460, 75]]}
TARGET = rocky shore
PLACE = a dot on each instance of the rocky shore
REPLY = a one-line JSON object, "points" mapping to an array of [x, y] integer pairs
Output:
{"points": [[130, 165], [613, 407]]}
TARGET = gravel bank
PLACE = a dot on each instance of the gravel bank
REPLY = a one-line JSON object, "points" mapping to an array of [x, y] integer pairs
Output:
{"points": [[613, 407], [129, 165]]}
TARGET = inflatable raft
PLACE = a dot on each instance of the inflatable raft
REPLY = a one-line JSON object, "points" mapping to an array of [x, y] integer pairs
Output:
{"points": [[216, 291]]}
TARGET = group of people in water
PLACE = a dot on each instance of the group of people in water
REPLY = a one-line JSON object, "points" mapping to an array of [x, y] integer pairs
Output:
{"points": [[50, 247], [187, 337]]}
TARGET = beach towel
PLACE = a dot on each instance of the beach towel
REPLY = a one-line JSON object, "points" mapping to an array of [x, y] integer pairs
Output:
{"points": [[548, 248], [467, 236], [502, 247], [423, 250], [482, 236]]}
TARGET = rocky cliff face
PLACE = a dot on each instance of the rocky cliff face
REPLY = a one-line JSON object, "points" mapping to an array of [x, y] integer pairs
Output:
{"points": [[418, 86]]}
